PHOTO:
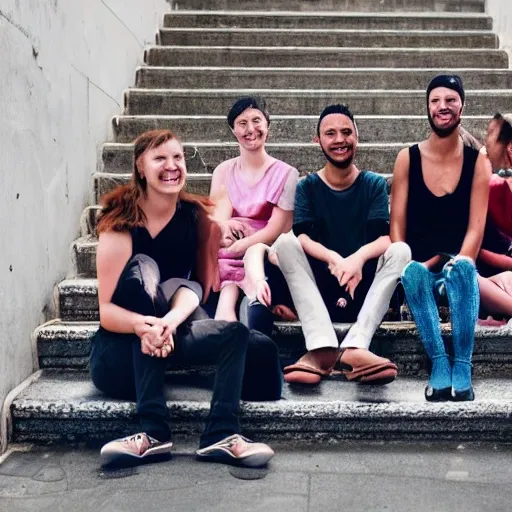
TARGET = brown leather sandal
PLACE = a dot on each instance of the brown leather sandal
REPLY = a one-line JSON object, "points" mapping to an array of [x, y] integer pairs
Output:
{"points": [[377, 373], [300, 373]]}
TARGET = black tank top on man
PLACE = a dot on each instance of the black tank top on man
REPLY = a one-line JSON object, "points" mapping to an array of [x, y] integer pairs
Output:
{"points": [[437, 224], [174, 248]]}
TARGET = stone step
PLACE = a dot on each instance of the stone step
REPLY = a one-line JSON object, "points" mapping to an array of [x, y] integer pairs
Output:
{"points": [[204, 157], [328, 57], [341, 38], [66, 345], [296, 129], [65, 407], [372, 6], [303, 102], [328, 20], [197, 183], [311, 78]]}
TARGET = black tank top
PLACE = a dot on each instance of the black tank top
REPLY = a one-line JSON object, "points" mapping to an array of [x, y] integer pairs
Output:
{"points": [[174, 249], [437, 224]]}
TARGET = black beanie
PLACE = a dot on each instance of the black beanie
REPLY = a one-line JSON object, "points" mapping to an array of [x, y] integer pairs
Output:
{"points": [[453, 82]]}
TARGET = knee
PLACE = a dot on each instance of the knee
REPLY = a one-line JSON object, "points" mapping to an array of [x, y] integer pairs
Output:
{"points": [[399, 255], [287, 244], [460, 269], [237, 334], [413, 273]]}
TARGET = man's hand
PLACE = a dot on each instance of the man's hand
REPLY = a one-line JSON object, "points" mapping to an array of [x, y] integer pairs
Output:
{"points": [[348, 271]]}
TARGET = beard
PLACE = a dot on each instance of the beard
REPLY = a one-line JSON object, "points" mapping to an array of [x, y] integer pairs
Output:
{"points": [[444, 132], [339, 165]]}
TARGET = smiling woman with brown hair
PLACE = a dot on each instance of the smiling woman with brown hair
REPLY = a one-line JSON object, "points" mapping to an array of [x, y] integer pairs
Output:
{"points": [[149, 242]]}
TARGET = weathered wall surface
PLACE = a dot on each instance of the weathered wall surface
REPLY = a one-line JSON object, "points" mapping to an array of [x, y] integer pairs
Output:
{"points": [[64, 66], [501, 11]]}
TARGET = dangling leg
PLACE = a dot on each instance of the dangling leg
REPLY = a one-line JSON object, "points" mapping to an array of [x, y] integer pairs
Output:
{"points": [[227, 303], [418, 283], [464, 299]]}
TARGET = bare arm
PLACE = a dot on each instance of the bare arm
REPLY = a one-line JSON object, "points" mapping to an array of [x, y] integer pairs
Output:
{"points": [[257, 285], [315, 249], [399, 195], [374, 249], [499, 261], [478, 208], [280, 222], [114, 251], [253, 262], [367, 252], [219, 194], [183, 304]]}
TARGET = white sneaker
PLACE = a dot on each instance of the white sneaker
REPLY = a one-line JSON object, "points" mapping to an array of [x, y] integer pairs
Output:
{"points": [[131, 450], [237, 450]]}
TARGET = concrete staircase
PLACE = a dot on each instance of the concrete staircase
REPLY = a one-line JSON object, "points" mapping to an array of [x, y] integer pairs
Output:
{"points": [[379, 61]]}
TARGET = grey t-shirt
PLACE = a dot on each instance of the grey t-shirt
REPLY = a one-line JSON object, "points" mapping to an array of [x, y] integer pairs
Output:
{"points": [[339, 219]]}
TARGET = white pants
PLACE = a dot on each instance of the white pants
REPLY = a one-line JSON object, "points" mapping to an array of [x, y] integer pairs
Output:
{"points": [[316, 322]]}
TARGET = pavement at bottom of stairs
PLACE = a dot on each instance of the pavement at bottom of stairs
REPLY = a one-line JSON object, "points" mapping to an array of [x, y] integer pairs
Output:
{"points": [[352, 476]]}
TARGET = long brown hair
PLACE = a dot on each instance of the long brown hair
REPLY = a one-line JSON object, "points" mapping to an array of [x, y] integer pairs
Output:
{"points": [[121, 210]]}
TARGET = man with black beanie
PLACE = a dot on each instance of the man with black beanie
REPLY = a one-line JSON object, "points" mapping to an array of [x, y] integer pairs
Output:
{"points": [[454, 83], [438, 207]]}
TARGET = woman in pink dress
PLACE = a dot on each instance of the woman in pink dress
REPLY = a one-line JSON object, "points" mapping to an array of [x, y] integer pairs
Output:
{"points": [[254, 195]]}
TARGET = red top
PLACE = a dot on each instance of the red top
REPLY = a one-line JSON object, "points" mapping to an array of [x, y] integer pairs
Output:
{"points": [[500, 204]]}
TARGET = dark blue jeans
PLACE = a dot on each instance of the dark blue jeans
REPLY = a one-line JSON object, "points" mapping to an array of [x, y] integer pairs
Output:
{"points": [[121, 370]]}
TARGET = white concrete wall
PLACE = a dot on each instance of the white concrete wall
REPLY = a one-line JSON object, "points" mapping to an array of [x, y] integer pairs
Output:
{"points": [[501, 11], [64, 65]]}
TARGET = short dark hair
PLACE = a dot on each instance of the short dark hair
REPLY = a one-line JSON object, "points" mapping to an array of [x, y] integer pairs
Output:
{"points": [[505, 135], [242, 104], [335, 109]]}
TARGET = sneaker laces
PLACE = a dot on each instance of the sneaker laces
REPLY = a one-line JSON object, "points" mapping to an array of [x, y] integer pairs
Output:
{"points": [[237, 440], [139, 443]]}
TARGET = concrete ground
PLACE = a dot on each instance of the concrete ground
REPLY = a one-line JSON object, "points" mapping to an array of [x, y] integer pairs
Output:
{"points": [[347, 476]]}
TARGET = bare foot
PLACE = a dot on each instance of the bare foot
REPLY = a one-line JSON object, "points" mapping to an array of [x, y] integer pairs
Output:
{"points": [[361, 365], [361, 358], [323, 358]]}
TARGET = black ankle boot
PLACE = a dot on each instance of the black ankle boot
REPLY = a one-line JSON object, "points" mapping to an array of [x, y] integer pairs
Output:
{"points": [[462, 396], [438, 395]]}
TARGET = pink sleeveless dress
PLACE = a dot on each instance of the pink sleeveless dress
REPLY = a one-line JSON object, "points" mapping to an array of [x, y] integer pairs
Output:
{"points": [[252, 206]]}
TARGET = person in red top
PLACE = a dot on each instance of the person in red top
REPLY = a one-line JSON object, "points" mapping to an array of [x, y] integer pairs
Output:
{"points": [[495, 255], [500, 203]]}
